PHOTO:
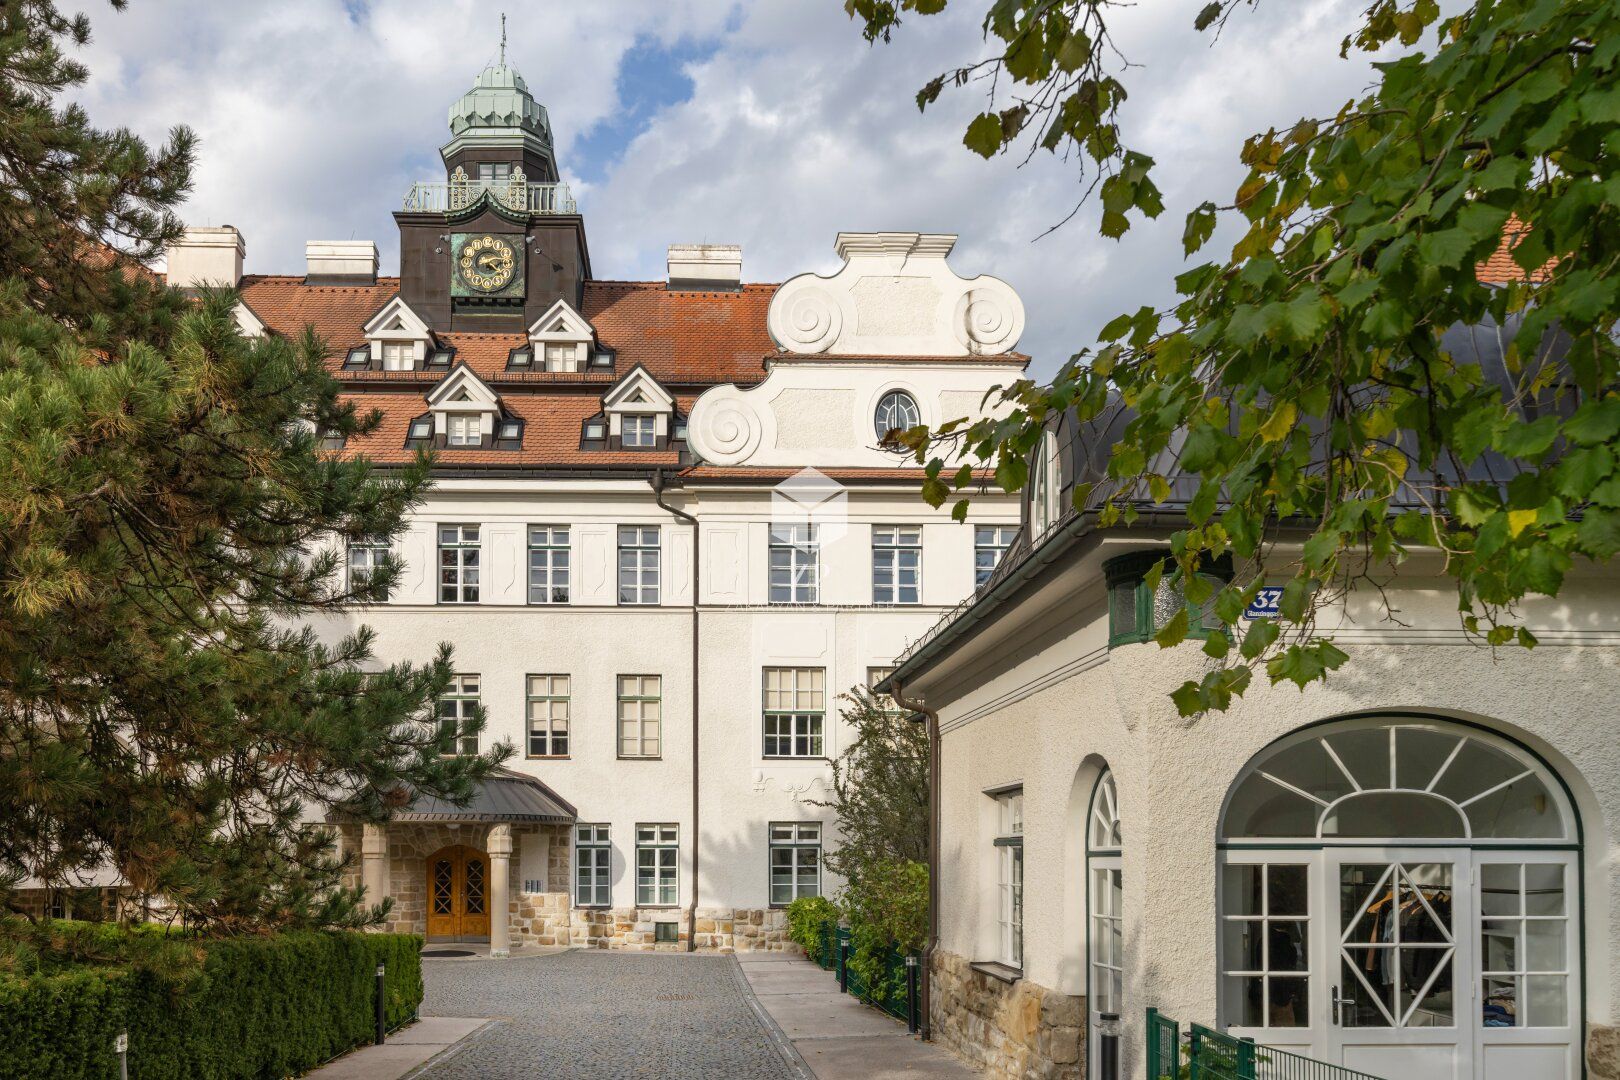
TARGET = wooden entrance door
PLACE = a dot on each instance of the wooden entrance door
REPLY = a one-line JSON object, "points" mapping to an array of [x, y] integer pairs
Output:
{"points": [[458, 893]]}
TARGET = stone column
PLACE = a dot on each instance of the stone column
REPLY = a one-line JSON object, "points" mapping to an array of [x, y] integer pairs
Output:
{"points": [[374, 862], [499, 846]]}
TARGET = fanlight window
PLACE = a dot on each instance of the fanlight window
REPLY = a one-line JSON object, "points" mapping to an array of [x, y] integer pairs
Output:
{"points": [[1396, 781], [897, 410], [1104, 834]]}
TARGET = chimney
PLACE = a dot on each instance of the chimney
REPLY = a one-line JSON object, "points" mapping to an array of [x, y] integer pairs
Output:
{"points": [[711, 267], [206, 256], [340, 262]]}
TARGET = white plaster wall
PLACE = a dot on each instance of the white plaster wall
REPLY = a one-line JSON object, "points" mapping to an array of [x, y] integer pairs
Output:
{"points": [[1048, 717], [593, 640]]}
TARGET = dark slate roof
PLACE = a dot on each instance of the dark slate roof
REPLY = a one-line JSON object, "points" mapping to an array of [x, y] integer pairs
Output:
{"points": [[504, 796]]}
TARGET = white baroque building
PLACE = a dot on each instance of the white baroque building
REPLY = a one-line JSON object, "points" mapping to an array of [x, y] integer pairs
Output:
{"points": [[648, 596]]}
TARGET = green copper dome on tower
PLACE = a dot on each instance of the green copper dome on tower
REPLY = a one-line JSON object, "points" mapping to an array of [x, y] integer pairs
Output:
{"points": [[500, 113]]}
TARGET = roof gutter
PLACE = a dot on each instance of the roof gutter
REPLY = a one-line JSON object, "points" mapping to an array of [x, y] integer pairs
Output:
{"points": [[657, 482]]}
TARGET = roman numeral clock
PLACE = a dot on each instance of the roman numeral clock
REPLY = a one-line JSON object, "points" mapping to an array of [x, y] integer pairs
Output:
{"points": [[486, 265]]}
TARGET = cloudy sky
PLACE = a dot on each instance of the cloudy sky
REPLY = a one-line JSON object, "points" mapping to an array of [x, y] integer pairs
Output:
{"points": [[768, 123]]}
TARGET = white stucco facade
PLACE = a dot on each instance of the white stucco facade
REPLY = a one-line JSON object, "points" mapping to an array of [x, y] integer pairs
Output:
{"points": [[1038, 702]]}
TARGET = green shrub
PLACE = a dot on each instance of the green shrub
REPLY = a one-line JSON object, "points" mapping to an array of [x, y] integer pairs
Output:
{"points": [[887, 911], [236, 1007], [806, 916]]}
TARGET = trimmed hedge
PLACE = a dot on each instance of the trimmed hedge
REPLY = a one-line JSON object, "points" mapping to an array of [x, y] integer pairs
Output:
{"points": [[265, 1007]]}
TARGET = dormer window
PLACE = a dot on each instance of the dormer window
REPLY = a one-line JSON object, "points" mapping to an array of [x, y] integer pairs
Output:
{"points": [[420, 431], [399, 340], [521, 359], [562, 357], [398, 356], [640, 432], [463, 429], [595, 430]]}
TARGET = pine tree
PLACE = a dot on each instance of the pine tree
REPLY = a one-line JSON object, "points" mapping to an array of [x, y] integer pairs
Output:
{"points": [[172, 533]]}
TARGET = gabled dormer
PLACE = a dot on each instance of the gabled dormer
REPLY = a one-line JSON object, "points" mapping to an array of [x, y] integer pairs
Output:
{"points": [[560, 340], [464, 413], [397, 339], [639, 414]]}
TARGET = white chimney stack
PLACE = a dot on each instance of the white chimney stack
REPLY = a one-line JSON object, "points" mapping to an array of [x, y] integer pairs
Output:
{"points": [[711, 267], [340, 262], [206, 256]]}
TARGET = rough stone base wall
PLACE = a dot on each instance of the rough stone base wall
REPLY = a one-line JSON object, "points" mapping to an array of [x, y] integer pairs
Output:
{"points": [[1013, 1031], [1602, 1052]]}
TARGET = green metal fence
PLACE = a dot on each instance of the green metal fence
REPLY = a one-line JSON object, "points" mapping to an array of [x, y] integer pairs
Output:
{"points": [[893, 994], [1215, 1055]]}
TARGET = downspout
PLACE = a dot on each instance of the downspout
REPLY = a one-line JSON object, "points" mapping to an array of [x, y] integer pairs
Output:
{"points": [[932, 719], [697, 578]]}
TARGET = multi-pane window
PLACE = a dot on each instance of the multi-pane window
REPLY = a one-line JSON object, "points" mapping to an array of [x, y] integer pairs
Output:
{"points": [[1010, 876], [562, 357], [990, 543], [874, 676], [457, 708], [365, 557], [794, 564], [896, 564], [795, 711], [897, 411], [795, 861], [494, 172], [548, 564], [463, 429], [1266, 946], [1524, 940], [548, 716], [638, 564], [638, 431], [398, 356], [593, 862], [458, 564], [641, 716], [658, 854]]}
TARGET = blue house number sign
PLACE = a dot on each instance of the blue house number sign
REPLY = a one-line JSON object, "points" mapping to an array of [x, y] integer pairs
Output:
{"points": [[1265, 602]]}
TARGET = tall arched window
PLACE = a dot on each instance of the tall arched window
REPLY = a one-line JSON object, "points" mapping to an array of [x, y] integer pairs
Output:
{"points": [[896, 410], [1105, 937], [1402, 891]]}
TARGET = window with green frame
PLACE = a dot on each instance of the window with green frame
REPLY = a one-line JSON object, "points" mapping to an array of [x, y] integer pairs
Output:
{"points": [[1137, 612]]}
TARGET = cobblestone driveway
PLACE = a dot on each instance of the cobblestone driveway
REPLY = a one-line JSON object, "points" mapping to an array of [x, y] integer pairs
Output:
{"points": [[604, 1015]]}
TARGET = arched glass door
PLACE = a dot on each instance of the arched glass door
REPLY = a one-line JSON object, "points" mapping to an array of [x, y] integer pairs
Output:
{"points": [[1399, 896], [1105, 936]]}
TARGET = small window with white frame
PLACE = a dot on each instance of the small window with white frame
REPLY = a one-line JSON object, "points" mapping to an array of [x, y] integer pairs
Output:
{"points": [[990, 543], [463, 429], [398, 356], [896, 564], [457, 709], [593, 862], [548, 564], [897, 411], [795, 712], [641, 716], [459, 549], [795, 861], [639, 553], [366, 557], [638, 431], [1010, 877], [795, 558], [658, 854], [562, 357], [548, 705]]}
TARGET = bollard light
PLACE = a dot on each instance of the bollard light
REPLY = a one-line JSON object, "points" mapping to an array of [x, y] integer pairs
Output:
{"points": [[1109, 1029], [382, 1027], [912, 998], [121, 1048]]}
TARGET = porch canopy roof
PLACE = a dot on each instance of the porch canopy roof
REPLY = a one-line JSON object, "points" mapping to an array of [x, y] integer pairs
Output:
{"points": [[503, 796]]}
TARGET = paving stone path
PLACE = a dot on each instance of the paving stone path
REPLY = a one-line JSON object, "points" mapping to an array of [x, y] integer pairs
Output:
{"points": [[594, 1015]]}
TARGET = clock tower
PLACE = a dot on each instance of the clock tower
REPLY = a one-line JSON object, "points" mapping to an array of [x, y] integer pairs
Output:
{"points": [[499, 240]]}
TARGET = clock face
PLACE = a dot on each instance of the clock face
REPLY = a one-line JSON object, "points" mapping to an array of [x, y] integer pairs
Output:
{"points": [[485, 263]]}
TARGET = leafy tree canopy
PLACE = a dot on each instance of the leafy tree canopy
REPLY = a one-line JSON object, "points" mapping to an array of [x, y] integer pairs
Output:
{"points": [[165, 707], [1301, 379]]}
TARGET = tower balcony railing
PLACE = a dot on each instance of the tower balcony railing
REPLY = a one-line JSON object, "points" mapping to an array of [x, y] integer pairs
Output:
{"points": [[450, 195]]}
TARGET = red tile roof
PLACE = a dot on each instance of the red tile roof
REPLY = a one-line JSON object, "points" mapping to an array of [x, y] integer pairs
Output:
{"points": [[1500, 269]]}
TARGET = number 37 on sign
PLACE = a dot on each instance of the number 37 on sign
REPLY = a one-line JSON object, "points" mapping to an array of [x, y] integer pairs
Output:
{"points": [[1264, 605]]}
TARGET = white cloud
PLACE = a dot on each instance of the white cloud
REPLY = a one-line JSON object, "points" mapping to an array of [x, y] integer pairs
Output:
{"points": [[314, 124]]}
